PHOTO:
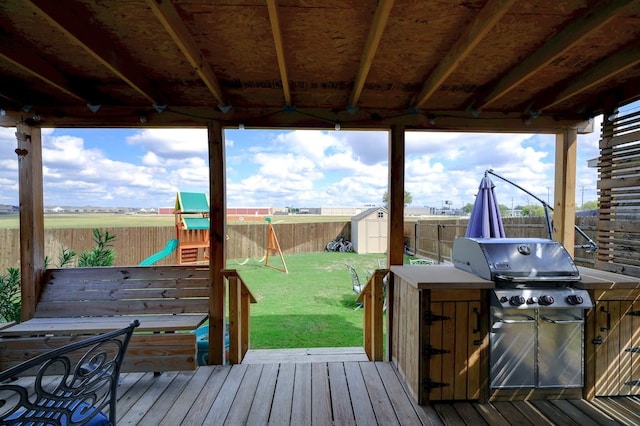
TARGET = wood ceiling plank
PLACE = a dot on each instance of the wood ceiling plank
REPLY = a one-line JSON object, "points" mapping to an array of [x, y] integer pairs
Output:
{"points": [[484, 21], [175, 26], [605, 70], [274, 18], [573, 33], [373, 41], [74, 26]]}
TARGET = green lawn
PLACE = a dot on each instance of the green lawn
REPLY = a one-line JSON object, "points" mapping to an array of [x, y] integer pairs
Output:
{"points": [[311, 306]]}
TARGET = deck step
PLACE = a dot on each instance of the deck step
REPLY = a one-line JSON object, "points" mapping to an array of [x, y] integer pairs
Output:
{"points": [[304, 355]]}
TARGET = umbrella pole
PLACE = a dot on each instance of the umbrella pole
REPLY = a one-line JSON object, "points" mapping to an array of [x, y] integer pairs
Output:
{"points": [[544, 204], [592, 243]]}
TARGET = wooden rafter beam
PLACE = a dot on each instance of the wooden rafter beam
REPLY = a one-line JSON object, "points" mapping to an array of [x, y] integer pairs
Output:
{"points": [[373, 41], [31, 63], [484, 21], [572, 34], [276, 117], [274, 18], [74, 26], [174, 25], [605, 70]]}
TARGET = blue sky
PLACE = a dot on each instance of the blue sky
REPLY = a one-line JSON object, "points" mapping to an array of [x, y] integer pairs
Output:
{"points": [[265, 168]]}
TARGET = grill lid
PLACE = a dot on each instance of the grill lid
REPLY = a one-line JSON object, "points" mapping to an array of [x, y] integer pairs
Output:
{"points": [[514, 259]]}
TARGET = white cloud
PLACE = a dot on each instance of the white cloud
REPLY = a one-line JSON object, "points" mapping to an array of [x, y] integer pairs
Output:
{"points": [[310, 168]]}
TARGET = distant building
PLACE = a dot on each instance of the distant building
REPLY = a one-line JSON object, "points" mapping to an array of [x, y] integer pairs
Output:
{"points": [[421, 211]]}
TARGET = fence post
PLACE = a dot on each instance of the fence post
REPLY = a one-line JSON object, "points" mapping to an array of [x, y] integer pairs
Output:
{"points": [[439, 243]]}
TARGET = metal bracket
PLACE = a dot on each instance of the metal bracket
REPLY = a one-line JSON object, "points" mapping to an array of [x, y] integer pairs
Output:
{"points": [[430, 317], [597, 341], [635, 350], [428, 384], [633, 383], [429, 351], [634, 313]]}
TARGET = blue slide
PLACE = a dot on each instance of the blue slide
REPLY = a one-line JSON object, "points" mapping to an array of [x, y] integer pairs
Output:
{"points": [[171, 246]]}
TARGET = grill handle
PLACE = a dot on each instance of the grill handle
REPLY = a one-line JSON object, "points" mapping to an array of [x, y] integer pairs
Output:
{"points": [[552, 321], [527, 321], [534, 279]]}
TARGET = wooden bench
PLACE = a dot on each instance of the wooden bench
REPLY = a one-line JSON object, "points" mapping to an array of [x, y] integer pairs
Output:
{"points": [[87, 395], [169, 301]]}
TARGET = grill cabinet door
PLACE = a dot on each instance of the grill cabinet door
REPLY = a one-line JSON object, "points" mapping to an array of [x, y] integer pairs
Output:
{"points": [[453, 348], [560, 348], [512, 348]]}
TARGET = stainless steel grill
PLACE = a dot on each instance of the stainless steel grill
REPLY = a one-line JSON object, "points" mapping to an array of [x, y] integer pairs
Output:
{"points": [[537, 317], [515, 260]]}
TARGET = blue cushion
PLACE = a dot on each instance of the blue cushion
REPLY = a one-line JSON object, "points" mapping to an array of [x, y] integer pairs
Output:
{"points": [[79, 412]]}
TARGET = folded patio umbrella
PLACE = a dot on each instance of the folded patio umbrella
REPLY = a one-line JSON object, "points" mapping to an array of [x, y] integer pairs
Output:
{"points": [[485, 221]]}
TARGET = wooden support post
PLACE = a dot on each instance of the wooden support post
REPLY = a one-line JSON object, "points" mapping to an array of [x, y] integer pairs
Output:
{"points": [[245, 311], [372, 297], [217, 260], [564, 199], [396, 196], [31, 216], [235, 320], [395, 248], [377, 303]]}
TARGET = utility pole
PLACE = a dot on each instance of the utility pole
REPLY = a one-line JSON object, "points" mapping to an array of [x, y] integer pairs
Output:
{"points": [[548, 189], [582, 201]]}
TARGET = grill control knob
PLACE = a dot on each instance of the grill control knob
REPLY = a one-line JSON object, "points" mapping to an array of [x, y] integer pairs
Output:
{"points": [[516, 301], [546, 300], [504, 299], [574, 299], [532, 300]]}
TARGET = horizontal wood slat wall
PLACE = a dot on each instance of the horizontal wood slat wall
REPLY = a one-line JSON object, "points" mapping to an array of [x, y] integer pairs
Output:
{"points": [[619, 196]]}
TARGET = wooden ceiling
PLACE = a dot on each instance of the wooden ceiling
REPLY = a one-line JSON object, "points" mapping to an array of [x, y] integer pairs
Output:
{"points": [[498, 65]]}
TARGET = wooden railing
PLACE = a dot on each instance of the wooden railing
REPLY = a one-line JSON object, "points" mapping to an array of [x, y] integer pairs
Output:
{"points": [[240, 299], [372, 297]]}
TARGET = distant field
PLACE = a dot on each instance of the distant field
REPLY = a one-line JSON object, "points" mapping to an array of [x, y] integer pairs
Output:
{"points": [[98, 220]]}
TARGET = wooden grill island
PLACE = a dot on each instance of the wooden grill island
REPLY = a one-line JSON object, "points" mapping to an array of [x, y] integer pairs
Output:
{"points": [[400, 66]]}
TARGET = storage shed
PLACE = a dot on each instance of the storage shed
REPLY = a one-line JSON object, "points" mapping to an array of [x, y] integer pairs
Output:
{"points": [[369, 231]]}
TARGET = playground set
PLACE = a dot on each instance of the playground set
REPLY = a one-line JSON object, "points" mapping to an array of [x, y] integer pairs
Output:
{"points": [[192, 227], [191, 244]]}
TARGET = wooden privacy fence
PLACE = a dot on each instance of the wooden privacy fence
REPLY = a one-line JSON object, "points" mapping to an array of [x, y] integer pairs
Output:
{"points": [[434, 238], [134, 244], [428, 238]]}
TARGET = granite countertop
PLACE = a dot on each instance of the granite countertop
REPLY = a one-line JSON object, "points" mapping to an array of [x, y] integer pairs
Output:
{"points": [[594, 279]]}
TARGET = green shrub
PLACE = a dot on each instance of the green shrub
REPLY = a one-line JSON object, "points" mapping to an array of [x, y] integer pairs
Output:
{"points": [[103, 254], [10, 302]]}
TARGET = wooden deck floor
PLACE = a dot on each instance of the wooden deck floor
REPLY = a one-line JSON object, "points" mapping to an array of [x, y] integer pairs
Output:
{"points": [[326, 393]]}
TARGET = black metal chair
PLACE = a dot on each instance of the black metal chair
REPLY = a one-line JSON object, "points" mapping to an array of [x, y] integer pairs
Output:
{"points": [[85, 383]]}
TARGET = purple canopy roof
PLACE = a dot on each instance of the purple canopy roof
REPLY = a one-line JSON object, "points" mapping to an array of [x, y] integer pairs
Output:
{"points": [[485, 221]]}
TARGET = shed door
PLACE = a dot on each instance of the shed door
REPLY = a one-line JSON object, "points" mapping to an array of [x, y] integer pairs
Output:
{"points": [[376, 231]]}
